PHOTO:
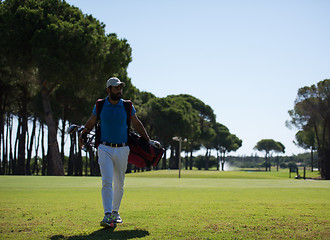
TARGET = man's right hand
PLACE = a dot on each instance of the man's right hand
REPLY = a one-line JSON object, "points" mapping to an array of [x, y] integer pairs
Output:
{"points": [[83, 137], [88, 127]]}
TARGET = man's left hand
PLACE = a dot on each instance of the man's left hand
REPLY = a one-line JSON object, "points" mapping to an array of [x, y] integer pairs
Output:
{"points": [[155, 144]]}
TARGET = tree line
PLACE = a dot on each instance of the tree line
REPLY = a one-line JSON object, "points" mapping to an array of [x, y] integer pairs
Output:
{"points": [[275, 162], [54, 64]]}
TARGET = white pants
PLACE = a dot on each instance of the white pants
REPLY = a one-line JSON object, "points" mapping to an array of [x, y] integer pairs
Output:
{"points": [[113, 164]]}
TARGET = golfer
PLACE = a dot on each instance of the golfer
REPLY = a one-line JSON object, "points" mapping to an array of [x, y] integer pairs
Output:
{"points": [[113, 151]]}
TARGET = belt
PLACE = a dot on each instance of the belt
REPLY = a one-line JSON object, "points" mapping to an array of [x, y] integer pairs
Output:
{"points": [[115, 145]]}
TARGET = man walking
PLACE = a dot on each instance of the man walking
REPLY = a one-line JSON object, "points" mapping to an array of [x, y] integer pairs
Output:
{"points": [[113, 151]]}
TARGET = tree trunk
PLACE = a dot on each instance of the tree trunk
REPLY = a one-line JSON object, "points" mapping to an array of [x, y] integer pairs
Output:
{"points": [[164, 161], [324, 159], [312, 159], [71, 154], [10, 124], [207, 159], [1, 137], [92, 164], [218, 161], [44, 157], [4, 158], [171, 164], [63, 139], [3, 103], [327, 165], [223, 161], [86, 164], [191, 160], [79, 163], [15, 146], [324, 152], [128, 169], [97, 168], [21, 144], [4, 169], [29, 153], [55, 165], [35, 168]]}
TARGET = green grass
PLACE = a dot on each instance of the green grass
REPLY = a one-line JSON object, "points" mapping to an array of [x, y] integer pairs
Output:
{"points": [[158, 206], [247, 174]]}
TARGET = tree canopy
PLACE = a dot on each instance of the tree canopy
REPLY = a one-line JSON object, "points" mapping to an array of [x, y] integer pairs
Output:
{"points": [[311, 115], [52, 51], [54, 64], [269, 145]]}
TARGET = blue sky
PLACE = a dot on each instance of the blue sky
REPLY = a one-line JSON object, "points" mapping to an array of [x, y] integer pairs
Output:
{"points": [[246, 59]]}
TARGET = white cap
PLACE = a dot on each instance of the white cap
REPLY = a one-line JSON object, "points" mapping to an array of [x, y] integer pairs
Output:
{"points": [[113, 81]]}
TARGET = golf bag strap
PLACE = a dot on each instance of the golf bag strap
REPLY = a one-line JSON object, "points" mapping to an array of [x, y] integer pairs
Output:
{"points": [[128, 109], [99, 105]]}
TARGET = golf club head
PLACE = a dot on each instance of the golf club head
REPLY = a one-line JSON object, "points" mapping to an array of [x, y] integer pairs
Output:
{"points": [[80, 128], [73, 128]]}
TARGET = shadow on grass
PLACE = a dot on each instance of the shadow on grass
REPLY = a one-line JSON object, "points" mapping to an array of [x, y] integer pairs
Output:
{"points": [[105, 234]]}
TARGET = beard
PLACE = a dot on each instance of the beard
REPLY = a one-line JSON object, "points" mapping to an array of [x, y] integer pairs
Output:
{"points": [[115, 97]]}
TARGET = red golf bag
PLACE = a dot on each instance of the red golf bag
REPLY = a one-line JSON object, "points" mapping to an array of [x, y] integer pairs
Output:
{"points": [[142, 154]]}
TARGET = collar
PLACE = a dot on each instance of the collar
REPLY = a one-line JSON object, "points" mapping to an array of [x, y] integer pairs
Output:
{"points": [[120, 103]]}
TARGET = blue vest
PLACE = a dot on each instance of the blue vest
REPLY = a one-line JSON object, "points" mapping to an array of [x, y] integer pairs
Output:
{"points": [[113, 122]]}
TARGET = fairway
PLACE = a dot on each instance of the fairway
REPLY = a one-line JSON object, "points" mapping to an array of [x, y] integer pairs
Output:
{"points": [[166, 208]]}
